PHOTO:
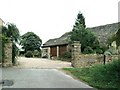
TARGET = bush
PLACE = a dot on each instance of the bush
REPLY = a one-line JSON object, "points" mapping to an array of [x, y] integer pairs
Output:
{"points": [[36, 53], [99, 51], [108, 74], [103, 77], [29, 54], [88, 50], [66, 56]]}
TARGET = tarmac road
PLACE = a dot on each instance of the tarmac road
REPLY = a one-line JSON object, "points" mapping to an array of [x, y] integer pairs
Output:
{"points": [[40, 78]]}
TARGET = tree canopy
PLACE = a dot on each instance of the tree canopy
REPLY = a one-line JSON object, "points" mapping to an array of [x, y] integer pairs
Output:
{"points": [[30, 42], [86, 38], [11, 31]]}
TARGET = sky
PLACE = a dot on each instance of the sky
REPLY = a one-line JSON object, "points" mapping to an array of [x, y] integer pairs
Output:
{"points": [[52, 18]]}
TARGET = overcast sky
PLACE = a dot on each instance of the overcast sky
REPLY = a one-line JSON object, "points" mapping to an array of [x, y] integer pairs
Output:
{"points": [[52, 18]]}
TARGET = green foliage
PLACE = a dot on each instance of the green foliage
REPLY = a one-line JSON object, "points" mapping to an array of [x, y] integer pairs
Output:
{"points": [[103, 48], [111, 39], [118, 41], [112, 50], [118, 38], [82, 34], [66, 56], [36, 53], [5, 39], [99, 76], [11, 31], [80, 20], [99, 51], [31, 42], [88, 50], [29, 54]]}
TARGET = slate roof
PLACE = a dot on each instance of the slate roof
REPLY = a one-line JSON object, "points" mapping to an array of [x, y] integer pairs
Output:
{"points": [[103, 32], [64, 39]]}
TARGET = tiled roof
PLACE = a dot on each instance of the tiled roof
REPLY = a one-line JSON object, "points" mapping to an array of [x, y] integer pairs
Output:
{"points": [[64, 39]]}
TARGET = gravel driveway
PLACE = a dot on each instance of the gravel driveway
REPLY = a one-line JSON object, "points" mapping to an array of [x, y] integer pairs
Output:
{"points": [[40, 63]]}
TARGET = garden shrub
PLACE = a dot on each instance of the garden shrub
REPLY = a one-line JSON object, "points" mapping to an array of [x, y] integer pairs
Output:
{"points": [[66, 56], [88, 50], [36, 53], [100, 76], [29, 54], [109, 73], [99, 51]]}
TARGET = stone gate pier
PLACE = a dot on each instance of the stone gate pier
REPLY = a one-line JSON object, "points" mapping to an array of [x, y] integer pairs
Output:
{"points": [[7, 55], [76, 51], [83, 60]]}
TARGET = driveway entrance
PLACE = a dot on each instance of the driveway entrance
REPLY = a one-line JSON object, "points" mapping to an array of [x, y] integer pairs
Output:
{"points": [[40, 78], [40, 73], [41, 63]]}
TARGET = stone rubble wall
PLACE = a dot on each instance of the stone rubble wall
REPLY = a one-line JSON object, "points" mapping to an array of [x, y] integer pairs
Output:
{"points": [[86, 60], [92, 59], [7, 55]]}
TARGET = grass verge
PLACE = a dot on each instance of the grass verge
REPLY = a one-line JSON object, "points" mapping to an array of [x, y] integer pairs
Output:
{"points": [[99, 76]]}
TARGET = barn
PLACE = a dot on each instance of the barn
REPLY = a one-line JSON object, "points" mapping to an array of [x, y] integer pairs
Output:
{"points": [[56, 47]]}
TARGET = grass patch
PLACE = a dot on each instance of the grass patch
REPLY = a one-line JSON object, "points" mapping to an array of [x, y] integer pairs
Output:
{"points": [[99, 76]]}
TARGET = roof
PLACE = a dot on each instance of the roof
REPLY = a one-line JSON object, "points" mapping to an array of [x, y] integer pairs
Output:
{"points": [[103, 32], [64, 39]]}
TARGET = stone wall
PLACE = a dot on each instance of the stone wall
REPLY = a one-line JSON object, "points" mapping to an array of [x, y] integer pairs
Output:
{"points": [[86, 60], [75, 53], [7, 55]]}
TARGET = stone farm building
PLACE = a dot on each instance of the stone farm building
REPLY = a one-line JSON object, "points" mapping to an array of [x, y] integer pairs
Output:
{"points": [[55, 47]]}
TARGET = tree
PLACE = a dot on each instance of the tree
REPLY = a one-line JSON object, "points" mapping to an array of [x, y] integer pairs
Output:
{"points": [[30, 42], [80, 20], [83, 35], [10, 32]]}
